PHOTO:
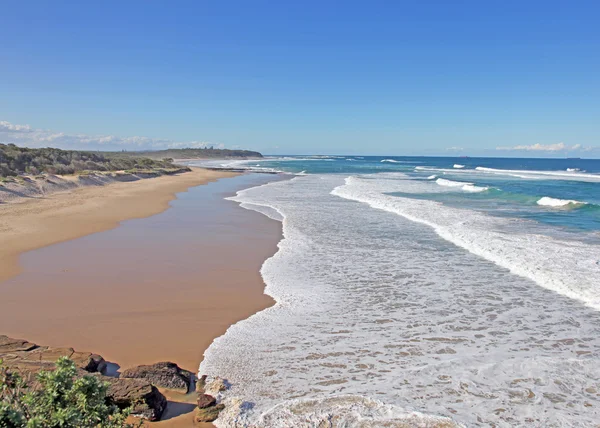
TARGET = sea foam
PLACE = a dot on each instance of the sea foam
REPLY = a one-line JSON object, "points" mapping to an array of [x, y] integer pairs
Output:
{"points": [[378, 319], [532, 256]]}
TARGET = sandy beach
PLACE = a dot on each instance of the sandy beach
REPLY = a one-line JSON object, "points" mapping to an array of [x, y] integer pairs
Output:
{"points": [[38, 222], [158, 288]]}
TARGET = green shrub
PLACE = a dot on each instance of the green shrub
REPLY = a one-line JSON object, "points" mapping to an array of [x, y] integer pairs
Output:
{"points": [[58, 399]]}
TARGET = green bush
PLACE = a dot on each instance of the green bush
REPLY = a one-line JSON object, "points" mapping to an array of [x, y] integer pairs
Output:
{"points": [[58, 399]]}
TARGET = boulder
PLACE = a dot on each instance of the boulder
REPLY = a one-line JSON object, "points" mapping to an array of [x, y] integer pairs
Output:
{"points": [[165, 375], [208, 414], [145, 399], [205, 400]]}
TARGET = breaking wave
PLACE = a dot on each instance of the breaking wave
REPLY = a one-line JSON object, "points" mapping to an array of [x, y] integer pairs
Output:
{"points": [[559, 203], [467, 187], [547, 175], [575, 273]]}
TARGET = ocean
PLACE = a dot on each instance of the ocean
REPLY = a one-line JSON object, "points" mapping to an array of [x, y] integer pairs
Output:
{"points": [[421, 291]]}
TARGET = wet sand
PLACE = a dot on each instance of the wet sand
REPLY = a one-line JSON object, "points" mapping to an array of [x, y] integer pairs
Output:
{"points": [[39, 222], [153, 289]]}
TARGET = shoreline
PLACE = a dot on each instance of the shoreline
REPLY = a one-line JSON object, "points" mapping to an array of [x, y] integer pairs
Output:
{"points": [[35, 223], [177, 280]]}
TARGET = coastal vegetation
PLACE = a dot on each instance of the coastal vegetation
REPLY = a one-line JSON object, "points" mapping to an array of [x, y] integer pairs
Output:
{"points": [[16, 160], [207, 153], [57, 398]]}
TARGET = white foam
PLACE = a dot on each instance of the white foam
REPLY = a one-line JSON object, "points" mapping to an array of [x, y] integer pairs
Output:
{"points": [[377, 317], [450, 183], [556, 265], [347, 411], [547, 175], [552, 202], [432, 177], [467, 187], [471, 188], [457, 166], [390, 160]]}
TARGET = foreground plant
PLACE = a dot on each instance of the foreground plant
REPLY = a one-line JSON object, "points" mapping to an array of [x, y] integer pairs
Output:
{"points": [[57, 399]]}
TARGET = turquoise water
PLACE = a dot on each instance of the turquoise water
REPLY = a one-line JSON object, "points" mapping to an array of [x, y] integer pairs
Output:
{"points": [[514, 186]]}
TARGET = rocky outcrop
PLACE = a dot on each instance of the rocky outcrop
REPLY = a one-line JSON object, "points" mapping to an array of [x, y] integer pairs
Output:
{"points": [[32, 358], [164, 374], [145, 399], [8, 344], [28, 358]]}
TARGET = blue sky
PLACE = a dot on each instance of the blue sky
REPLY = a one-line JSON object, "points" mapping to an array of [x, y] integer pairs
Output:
{"points": [[393, 77]]}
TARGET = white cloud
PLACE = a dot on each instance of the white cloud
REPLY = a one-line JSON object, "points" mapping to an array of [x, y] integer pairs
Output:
{"points": [[540, 147], [24, 135], [455, 149], [9, 127]]}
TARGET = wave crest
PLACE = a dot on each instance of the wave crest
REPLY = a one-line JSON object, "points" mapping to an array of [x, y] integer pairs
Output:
{"points": [[559, 203]]}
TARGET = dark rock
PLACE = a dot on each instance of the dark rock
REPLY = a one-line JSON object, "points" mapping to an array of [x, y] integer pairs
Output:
{"points": [[164, 374], [205, 400], [145, 399], [208, 414]]}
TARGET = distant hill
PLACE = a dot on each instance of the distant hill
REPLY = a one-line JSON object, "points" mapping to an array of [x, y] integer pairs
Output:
{"points": [[195, 154]]}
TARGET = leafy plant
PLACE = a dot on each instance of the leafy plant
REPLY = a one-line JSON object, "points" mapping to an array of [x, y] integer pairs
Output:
{"points": [[58, 398]]}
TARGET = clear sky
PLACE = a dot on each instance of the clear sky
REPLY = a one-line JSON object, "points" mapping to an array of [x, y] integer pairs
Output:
{"points": [[369, 77]]}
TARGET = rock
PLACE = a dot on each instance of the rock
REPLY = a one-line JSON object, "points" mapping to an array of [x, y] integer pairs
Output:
{"points": [[164, 374], [216, 385], [201, 384], [146, 399], [31, 358], [205, 400], [8, 344], [208, 414]]}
